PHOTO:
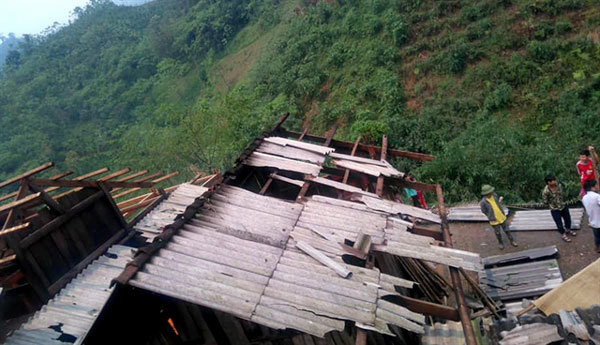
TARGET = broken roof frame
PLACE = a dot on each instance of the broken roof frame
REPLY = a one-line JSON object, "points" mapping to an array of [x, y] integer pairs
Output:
{"points": [[46, 203], [144, 255]]}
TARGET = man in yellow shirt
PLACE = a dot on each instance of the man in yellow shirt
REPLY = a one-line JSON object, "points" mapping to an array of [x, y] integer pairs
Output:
{"points": [[490, 206]]}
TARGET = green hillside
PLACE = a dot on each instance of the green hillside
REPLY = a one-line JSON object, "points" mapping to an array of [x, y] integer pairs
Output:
{"points": [[502, 92]]}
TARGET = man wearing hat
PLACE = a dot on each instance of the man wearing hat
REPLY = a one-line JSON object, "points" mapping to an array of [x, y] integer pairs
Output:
{"points": [[490, 206]]}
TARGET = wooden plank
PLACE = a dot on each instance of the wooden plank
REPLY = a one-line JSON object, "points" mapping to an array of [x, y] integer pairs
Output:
{"points": [[427, 308], [384, 145], [56, 222], [20, 202], [60, 283], [143, 179], [132, 176], [287, 180], [115, 174], [347, 171], [139, 205], [26, 174], [304, 132], [264, 188], [90, 184], [291, 152], [78, 178], [55, 177], [330, 135], [14, 229], [155, 181], [322, 258], [356, 159]]}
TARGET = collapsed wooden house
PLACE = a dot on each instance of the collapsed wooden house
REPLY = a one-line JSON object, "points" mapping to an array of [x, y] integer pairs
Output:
{"points": [[301, 242]]}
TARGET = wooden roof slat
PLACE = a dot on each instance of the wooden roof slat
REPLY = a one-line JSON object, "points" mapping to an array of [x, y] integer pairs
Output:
{"points": [[20, 202], [93, 184], [143, 179], [14, 229], [26, 174], [78, 178], [55, 177], [115, 174], [135, 189], [132, 176]]}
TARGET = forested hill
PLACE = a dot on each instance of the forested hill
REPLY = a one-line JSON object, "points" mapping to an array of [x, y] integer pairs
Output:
{"points": [[501, 91]]}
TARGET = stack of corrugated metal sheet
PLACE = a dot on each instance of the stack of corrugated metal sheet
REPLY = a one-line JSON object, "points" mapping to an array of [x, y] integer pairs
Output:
{"points": [[524, 255], [468, 214], [71, 313], [542, 220], [522, 280], [165, 212]]}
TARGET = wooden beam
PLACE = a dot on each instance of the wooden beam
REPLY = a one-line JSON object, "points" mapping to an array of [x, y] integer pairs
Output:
{"points": [[330, 135], [26, 174], [384, 145], [158, 180], [364, 148], [132, 176], [14, 229], [62, 281], [78, 178], [58, 221], [47, 198], [347, 171], [20, 202], [113, 204], [55, 177], [143, 179], [424, 307], [21, 192], [266, 186], [424, 187], [465, 318], [421, 230], [139, 205], [90, 184], [304, 132], [115, 174]]}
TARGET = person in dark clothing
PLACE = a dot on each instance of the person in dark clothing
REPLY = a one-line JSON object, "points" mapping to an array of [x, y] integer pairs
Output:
{"points": [[552, 197]]}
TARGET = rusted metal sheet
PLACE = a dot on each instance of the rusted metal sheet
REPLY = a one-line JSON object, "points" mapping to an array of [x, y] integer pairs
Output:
{"points": [[71, 313]]}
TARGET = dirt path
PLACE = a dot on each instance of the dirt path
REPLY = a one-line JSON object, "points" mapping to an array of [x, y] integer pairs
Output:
{"points": [[572, 257]]}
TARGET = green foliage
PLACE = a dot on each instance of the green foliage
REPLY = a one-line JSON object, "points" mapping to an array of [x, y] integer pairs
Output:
{"points": [[501, 93]]}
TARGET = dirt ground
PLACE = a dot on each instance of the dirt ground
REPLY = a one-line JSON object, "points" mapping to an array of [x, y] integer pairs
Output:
{"points": [[572, 257]]}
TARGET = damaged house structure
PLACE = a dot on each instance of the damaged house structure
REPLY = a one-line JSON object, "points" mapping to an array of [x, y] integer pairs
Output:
{"points": [[302, 242]]}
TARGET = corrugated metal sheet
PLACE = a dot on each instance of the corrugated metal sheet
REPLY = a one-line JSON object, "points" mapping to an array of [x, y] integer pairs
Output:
{"points": [[531, 334], [468, 214], [449, 333], [237, 256], [164, 213], [71, 313], [521, 280], [529, 254], [258, 159], [542, 220]]}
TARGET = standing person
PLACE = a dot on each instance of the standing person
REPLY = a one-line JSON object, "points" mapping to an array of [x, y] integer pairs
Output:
{"points": [[585, 167], [552, 196], [591, 203], [490, 206], [411, 193]]}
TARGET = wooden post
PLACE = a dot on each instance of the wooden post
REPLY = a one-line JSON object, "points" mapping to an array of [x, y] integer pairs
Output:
{"points": [[304, 132], [347, 172], [330, 135], [463, 312], [384, 145]]}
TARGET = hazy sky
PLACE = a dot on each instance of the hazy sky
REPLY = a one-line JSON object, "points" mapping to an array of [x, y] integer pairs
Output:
{"points": [[33, 16]]}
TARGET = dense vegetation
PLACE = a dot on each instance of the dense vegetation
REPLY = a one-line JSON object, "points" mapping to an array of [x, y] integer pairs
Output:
{"points": [[503, 92]]}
